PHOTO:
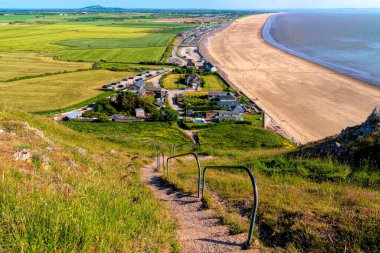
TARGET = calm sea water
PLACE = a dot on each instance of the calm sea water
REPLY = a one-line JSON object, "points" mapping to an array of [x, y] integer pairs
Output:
{"points": [[348, 43]]}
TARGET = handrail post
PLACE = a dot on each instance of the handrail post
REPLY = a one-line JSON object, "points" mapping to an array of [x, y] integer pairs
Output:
{"points": [[198, 165], [158, 159], [255, 195]]}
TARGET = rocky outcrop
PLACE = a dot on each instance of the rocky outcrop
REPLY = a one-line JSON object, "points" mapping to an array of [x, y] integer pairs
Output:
{"points": [[354, 145]]}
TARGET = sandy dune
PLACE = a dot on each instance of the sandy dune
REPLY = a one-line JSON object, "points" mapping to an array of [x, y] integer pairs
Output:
{"points": [[308, 101]]}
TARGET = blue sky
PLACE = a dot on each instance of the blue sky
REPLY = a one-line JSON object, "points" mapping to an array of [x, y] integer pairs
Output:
{"points": [[214, 4]]}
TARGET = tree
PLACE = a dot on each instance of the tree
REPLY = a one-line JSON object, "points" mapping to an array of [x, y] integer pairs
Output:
{"points": [[104, 106], [169, 114]]}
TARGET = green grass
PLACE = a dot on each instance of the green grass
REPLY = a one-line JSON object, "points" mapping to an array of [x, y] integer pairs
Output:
{"points": [[18, 65], [129, 55], [213, 83], [255, 119], [58, 91], [227, 137], [304, 204], [149, 40], [41, 38], [90, 101], [138, 135], [173, 81], [72, 201]]}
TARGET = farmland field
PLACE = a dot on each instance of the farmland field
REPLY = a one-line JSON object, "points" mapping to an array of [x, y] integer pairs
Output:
{"points": [[150, 40], [74, 42], [16, 65], [57, 91], [130, 55]]}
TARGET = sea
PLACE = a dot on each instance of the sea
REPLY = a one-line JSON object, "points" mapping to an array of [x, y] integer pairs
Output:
{"points": [[346, 42]]}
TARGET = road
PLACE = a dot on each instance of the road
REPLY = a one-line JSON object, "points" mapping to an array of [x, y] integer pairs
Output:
{"points": [[175, 59], [173, 103]]}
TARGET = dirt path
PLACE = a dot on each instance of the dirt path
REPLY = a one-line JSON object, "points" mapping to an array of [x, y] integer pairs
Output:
{"points": [[199, 230]]}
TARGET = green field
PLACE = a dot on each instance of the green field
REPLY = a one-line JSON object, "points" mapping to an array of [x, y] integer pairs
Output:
{"points": [[17, 65], [42, 38], [150, 40], [57, 91], [130, 55], [113, 39], [138, 135], [173, 81], [228, 137], [213, 83]]}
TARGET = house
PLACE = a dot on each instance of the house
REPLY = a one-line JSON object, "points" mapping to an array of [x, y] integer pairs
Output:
{"points": [[180, 98], [211, 115], [190, 112], [227, 97], [238, 108], [230, 105], [140, 113], [199, 120], [209, 67], [190, 64], [138, 85], [216, 95], [161, 96], [228, 116], [159, 104], [194, 81], [153, 89]]}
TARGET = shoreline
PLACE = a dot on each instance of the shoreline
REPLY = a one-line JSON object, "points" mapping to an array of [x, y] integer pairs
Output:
{"points": [[307, 101], [344, 70]]}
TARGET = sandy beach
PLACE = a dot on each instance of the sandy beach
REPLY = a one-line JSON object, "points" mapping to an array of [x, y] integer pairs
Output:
{"points": [[309, 102]]}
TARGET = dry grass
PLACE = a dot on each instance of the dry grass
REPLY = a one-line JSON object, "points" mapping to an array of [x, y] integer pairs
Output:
{"points": [[293, 212], [57, 91], [17, 65]]}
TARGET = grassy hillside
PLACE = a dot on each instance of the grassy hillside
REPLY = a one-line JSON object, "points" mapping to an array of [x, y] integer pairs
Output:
{"points": [[56, 91], [74, 193], [311, 205], [138, 135]]}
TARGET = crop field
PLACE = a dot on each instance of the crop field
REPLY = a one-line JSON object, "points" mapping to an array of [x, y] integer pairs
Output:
{"points": [[129, 55], [57, 91], [41, 38], [150, 40], [17, 65], [137, 135]]}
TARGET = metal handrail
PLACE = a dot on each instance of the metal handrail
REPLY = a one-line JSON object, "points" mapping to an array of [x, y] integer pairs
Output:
{"points": [[255, 194], [159, 152], [198, 164]]}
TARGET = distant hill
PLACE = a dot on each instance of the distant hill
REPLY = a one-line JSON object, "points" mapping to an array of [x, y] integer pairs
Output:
{"points": [[99, 8], [356, 145]]}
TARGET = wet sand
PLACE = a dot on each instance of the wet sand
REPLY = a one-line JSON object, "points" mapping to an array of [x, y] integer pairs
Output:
{"points": [[309, 102]]}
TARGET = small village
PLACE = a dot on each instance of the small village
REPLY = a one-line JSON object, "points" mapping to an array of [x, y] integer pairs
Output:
{"points": [[183, 88]]}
